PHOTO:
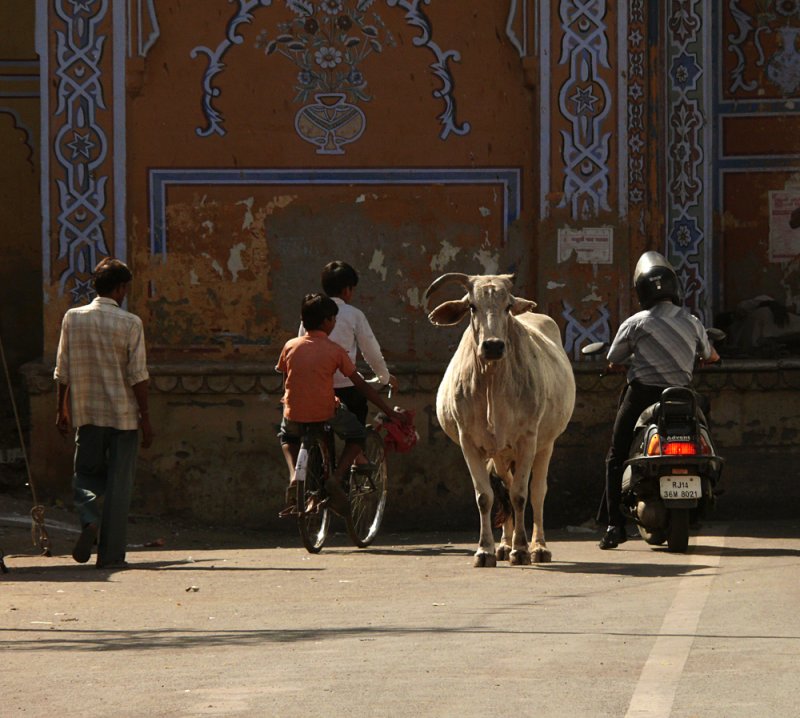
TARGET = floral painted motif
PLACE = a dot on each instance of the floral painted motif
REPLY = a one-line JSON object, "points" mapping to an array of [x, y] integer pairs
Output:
{"points": [[765, 39], [328, 40]]}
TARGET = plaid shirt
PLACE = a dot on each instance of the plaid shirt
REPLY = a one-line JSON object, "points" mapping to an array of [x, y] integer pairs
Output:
{"points": [[101, 355]]}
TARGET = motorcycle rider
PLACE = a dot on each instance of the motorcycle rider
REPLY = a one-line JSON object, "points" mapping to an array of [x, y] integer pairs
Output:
{"points": [[658, 346]]}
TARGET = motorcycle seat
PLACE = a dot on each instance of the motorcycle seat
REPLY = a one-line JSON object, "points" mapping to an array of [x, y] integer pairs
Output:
{"points": [[676, 402]]}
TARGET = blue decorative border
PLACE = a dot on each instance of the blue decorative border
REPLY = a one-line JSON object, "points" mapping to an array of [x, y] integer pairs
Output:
{"points": [[160, 179], [689, 147], [585, 148], [577, 335], [81, 144]]}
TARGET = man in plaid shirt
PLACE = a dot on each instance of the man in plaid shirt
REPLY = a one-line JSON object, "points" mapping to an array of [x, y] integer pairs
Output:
{"points": [[101, 370]]}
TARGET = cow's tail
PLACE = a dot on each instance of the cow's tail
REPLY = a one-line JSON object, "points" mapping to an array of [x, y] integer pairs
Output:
{"points": [[502, 501]]}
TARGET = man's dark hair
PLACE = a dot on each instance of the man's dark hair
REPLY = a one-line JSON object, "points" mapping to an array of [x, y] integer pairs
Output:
{"points": [[338, 276], [316, 309], [109, 274]]}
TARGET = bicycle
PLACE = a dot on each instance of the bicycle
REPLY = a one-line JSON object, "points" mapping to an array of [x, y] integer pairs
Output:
{"points": [[366, 487]]}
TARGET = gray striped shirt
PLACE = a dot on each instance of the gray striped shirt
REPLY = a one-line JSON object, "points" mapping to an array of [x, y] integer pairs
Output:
{"points": [[660, 344]]}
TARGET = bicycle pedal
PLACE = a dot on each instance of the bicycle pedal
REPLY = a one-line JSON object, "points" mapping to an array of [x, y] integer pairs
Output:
{"points": [[314, 505]]}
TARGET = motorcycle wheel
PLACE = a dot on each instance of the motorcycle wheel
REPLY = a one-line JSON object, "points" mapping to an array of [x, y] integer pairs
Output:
{"points": [[678, 530], [656, 537]]}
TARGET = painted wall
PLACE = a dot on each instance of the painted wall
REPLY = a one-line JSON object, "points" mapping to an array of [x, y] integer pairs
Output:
{"points": [[228, 150]]}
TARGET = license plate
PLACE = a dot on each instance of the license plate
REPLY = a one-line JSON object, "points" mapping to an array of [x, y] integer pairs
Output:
{"points": [[681, 487]]}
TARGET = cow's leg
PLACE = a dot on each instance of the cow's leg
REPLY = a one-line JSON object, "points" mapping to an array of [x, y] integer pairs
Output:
{"points": [[503, 550], [520, 551], [484, 496], [541, 463]]}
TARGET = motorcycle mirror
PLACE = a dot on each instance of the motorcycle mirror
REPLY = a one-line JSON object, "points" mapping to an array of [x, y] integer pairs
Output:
{"points": [[716, 335], [593, 348]]}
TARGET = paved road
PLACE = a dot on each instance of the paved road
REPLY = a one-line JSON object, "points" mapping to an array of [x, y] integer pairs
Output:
{"points": [[221, 624]]}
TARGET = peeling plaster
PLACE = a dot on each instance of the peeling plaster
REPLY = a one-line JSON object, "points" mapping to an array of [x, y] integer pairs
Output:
{"points": [[485, 211], [235, 264], [592, 296], [394, 319], [193, 278], [215, 265], [377, 264], [413, 297], [555, 285], [248, 220], [209, 226], [488, 260], [446, 255], [280, 202]]}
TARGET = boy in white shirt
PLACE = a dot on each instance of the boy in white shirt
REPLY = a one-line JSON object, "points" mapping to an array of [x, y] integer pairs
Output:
{"points": [[353, 333]]}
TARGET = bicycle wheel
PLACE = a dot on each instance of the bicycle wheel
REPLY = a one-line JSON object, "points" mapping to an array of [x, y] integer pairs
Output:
{"points": [[368, 493], [313, 518]]}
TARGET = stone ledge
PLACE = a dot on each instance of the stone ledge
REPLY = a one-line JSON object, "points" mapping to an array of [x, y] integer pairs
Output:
{"points": [[261, 378]]}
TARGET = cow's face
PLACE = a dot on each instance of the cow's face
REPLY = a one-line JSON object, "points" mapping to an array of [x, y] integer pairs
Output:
{"points": [[490, 305]]}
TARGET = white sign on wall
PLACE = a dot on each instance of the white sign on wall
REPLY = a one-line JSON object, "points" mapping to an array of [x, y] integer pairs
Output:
{"points": [[784, 242], [591, 245]]}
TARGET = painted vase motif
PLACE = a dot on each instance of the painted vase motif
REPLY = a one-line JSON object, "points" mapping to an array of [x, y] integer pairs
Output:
{"points": [[330, 123], [784, 66]]}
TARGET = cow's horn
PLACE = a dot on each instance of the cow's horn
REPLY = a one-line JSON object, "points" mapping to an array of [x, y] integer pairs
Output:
{"points": [[455, 277], [463, 279]]}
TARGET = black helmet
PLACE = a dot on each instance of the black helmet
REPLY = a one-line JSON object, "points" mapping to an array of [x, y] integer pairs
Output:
{"points": [[655, 280]]}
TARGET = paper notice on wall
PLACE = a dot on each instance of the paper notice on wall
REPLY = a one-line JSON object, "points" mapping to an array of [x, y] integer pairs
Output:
{"points": [[590, 245], [784, 242]]}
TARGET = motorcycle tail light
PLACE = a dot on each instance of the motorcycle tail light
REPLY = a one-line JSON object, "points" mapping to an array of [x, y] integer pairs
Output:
{"points": [[704, 447], [654, 445], [680, 448]]}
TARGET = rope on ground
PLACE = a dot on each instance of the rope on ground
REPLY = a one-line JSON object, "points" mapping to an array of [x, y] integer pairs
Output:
{"points": [[38, 530]]}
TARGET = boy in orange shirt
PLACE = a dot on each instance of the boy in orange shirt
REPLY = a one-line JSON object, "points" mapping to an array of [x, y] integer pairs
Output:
{"points": [[308, 364]]}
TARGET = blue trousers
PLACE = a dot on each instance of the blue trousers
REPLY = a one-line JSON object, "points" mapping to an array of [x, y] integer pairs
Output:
{"points": [[105, 466]]}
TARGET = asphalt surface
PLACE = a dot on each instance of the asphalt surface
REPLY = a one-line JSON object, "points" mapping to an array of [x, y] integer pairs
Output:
{"points": [[220, 623]]}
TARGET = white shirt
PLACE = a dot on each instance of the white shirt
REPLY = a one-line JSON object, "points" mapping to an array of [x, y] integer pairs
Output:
{"points": [[352, 332]]}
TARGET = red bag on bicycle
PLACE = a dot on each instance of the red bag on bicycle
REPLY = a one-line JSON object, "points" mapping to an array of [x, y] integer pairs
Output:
{"points": [[398, 437]]}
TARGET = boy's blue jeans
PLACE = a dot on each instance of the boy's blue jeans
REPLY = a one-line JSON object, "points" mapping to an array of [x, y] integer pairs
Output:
{"points": [[105, 466]]}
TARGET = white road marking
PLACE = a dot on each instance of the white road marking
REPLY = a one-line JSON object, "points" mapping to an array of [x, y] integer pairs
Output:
{"points": [[655, 691]]}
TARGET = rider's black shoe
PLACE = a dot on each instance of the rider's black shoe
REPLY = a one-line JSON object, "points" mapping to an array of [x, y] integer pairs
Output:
{"points": [[613, 537]]}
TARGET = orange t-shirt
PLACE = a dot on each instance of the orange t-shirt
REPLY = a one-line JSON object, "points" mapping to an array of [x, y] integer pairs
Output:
{"points": [[309, 363]]}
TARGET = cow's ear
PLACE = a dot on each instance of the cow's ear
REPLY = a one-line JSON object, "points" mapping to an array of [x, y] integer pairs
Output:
{"points": [[522, 305], [449, 313]]}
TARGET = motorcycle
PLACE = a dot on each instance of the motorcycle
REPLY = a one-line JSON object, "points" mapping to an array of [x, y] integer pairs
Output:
{"points": [[673, 470]]}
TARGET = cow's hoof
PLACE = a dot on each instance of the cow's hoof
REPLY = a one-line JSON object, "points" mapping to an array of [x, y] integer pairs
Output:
{"points": [[542, 555], [520, 558], [502, 553], [484, 560]]}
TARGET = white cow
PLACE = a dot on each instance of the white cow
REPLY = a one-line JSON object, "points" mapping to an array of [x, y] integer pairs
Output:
{"points": [[506, 396]]}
